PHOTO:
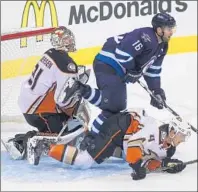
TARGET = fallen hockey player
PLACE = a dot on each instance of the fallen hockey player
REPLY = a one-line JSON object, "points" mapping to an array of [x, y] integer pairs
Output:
{"points": [[145, 145]]}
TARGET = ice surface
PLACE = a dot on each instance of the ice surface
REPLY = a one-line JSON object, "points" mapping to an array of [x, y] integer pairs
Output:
{"points": [[179, 80]]}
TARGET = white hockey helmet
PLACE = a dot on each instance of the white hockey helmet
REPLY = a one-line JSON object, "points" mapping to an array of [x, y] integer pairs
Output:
{"points": [[63, 39], [180, 127], [176, 131]]}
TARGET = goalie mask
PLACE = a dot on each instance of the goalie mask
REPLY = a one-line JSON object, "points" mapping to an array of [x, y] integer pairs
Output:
{"points": [[63, 39]]}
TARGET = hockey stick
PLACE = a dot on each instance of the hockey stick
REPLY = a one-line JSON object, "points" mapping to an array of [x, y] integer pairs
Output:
{"points": [[161, 169], [65, 139], [69, 137], [60, 133], [166, 106]]}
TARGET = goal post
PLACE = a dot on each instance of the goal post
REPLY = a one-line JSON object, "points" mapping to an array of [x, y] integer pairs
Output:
{"points": [[25, 33]]}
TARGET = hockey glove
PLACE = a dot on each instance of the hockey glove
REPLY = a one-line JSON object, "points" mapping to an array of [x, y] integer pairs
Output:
{"points": [[132, 76], [87, 141], [138, 171], [175, 165], [160, 95]]}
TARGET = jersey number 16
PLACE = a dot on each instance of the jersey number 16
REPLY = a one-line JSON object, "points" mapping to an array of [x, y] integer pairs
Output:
{"points": [[137, 45]]}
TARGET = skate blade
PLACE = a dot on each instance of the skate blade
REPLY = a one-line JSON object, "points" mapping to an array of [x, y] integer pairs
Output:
{"points": [[11, 149]]}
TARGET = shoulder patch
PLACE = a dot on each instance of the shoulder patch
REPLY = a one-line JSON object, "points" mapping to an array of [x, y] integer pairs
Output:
{"points": [[72, 67], [145, 37], [63, 61]]}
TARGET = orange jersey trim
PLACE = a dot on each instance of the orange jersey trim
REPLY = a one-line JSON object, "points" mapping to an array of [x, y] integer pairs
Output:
{"points": [[48, 104], [134, 154]]}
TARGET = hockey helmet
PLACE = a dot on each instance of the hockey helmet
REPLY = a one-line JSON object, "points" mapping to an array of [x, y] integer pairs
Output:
{"points": [[178, 127], [63, 39], [163, 20]]}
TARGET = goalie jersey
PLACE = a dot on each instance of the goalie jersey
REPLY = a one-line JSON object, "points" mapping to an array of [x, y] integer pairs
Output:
{"points": [[41, 91]]}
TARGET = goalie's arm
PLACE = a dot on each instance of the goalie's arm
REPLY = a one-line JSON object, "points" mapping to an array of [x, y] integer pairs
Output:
{"points": [[62, 81], [76, 107]]}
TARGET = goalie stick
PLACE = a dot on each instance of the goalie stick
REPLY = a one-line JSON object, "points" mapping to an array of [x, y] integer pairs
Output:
{"points": [[161, 169], [166, 106], [69, 137]]}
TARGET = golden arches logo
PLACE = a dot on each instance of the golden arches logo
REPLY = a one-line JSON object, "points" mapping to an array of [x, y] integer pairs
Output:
{"points": [[39, 16]]}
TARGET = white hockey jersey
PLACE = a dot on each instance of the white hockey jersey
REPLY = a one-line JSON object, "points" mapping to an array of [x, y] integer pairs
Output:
{"points": [[41, 91], [142, 141]]}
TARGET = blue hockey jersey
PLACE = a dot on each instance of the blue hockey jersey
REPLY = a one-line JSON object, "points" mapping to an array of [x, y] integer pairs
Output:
{"points": [[137, 50]]}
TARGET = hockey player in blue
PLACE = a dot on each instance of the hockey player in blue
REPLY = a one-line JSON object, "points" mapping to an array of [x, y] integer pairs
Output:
{"points": [[124, 59]]}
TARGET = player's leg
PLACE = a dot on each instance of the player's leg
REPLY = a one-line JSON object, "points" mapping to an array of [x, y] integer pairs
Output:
{"points": [[50, 124], [71, 155], [47, 122], [63, 149], [101, 147], [39, 144], [113, 93], [110, 95], [109, 138]]}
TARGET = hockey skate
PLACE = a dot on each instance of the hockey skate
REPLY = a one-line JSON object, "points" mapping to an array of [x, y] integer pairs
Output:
{"points": [[16, 146], [15, 149], [36, 146]]}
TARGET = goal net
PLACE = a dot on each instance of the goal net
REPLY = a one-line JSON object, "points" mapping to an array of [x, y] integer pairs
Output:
{"points": [[20, 51]]}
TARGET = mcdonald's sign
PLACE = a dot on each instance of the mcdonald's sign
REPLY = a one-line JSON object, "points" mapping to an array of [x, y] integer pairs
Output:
{"points": [[39, 12]]}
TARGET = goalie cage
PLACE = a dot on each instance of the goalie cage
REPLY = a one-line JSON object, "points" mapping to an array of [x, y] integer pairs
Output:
{"points": [[20, 51]]}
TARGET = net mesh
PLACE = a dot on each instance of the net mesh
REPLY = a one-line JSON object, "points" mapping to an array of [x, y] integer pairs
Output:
{"points": [[18, 58]]}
